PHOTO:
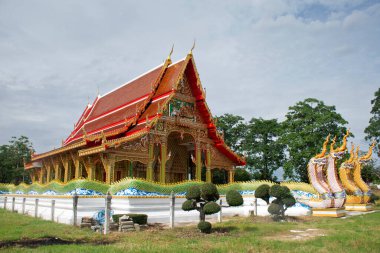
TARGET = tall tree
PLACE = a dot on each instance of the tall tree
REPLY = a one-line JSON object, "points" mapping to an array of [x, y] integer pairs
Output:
{"points": [[265, 153], [306, 126], [234, 129], [12, 157], [373, 129]]}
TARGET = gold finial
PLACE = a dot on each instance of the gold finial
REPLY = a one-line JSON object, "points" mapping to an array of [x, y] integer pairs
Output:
{"points": [[170, 54], [192, 48], [352, 153], [84, 132], [344, 145], [369, 153], [333, 144], [97, 90], [88, 100], [324, 149]]}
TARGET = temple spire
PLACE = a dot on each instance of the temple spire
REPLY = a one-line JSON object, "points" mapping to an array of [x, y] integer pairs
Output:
{"points": [[169, 59], [192, 48]]}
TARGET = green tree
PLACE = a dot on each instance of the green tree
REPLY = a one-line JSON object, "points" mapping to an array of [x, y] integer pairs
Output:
{"points": [[242, 175], [12, 157], [373, 129], [234, 129], [306, 125], [265, 153]]}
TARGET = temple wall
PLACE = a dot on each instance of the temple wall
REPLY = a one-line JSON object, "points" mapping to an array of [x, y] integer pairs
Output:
{"points": [[156, 208]]}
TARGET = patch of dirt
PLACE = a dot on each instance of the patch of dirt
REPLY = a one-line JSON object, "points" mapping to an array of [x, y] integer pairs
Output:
{"points": [[298, 235], [45, 241], [268, 219]]}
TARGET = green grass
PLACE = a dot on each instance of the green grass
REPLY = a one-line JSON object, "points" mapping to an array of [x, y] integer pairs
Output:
{"points": [[354, 234]]}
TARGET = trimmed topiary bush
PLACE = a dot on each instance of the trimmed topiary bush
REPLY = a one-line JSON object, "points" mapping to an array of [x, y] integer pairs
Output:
{"points": [[283, 201], [141, 219], [193, 192], [209, 192], [234, 198], [262, 192], [202, 198], [211, 208], [204, 227], [188, 205], [274, 208]]}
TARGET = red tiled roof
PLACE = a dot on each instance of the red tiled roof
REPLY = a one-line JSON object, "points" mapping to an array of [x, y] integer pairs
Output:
{"points": [[125, 109], [113, 109]]}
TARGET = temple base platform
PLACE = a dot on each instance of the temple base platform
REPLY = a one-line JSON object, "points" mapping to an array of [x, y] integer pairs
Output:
{"points": [[359, 207], [329, 212]]}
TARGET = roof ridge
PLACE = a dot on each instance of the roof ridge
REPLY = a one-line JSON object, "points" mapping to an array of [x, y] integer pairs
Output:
{"points": [[130, 81]]}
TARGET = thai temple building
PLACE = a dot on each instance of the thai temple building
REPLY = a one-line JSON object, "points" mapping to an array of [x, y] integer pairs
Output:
{"points": [[157, 127]]}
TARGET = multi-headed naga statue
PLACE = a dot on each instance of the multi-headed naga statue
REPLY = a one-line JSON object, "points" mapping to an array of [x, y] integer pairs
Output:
{"points": [[359, 161], [327, 183], [355, 195], [332, 175]]}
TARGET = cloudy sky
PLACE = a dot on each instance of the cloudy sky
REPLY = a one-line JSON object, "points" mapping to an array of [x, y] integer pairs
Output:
{"points": [[255, 58]]}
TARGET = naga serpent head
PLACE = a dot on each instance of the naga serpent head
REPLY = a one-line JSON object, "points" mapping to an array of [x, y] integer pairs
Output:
{"points": [[320, 158], [339, 152], [349, 164], [367, 157]]}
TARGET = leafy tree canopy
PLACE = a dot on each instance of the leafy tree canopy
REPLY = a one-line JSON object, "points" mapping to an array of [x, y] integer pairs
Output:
{"points": [[306, 126], [265, 153], [12, 158], [234, 129], [373, 129]]}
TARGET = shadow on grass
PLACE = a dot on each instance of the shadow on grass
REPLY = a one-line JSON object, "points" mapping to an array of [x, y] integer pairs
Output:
{"points": [[46, 241]]}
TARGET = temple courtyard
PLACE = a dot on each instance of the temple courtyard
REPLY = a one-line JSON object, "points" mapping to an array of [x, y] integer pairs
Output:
{"points": [[356, 233]]}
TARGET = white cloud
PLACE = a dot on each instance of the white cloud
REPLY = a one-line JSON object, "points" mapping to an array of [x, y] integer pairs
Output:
{"points": [[255, 58]]}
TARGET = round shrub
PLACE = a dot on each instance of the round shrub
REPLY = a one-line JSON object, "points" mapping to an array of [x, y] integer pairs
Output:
{"points": [[234, 198], [277, 201], [262, 192], [211, 208], [289, 201], [209, 192], [285, 191], [139, 218], [278, 191], [275, 191], [274, 209], [194, 192], [188, 205], [204, 227]]}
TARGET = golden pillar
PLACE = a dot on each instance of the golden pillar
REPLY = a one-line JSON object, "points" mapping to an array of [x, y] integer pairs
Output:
{"points": [[65, 163], [78, 172], [89, 167], [149, 169], [57, 172], [40, 180], [164, 150], [48, 174], [198, 163], [231, 174], [208, 165], [109, 166]]}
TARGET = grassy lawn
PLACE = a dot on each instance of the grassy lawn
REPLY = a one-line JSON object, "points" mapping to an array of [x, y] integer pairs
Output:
{"points": [[257, 234]]}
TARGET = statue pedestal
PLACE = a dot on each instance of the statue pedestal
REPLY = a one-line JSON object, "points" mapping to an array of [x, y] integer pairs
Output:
{"points": [[359, 207], [329, 212]]}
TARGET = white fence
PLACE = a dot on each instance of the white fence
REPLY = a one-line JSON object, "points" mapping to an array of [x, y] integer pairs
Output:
{"points": [[65, 209]]}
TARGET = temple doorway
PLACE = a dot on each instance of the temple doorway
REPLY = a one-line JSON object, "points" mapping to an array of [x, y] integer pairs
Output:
{"points": [[181, 164], [100, 174]]}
